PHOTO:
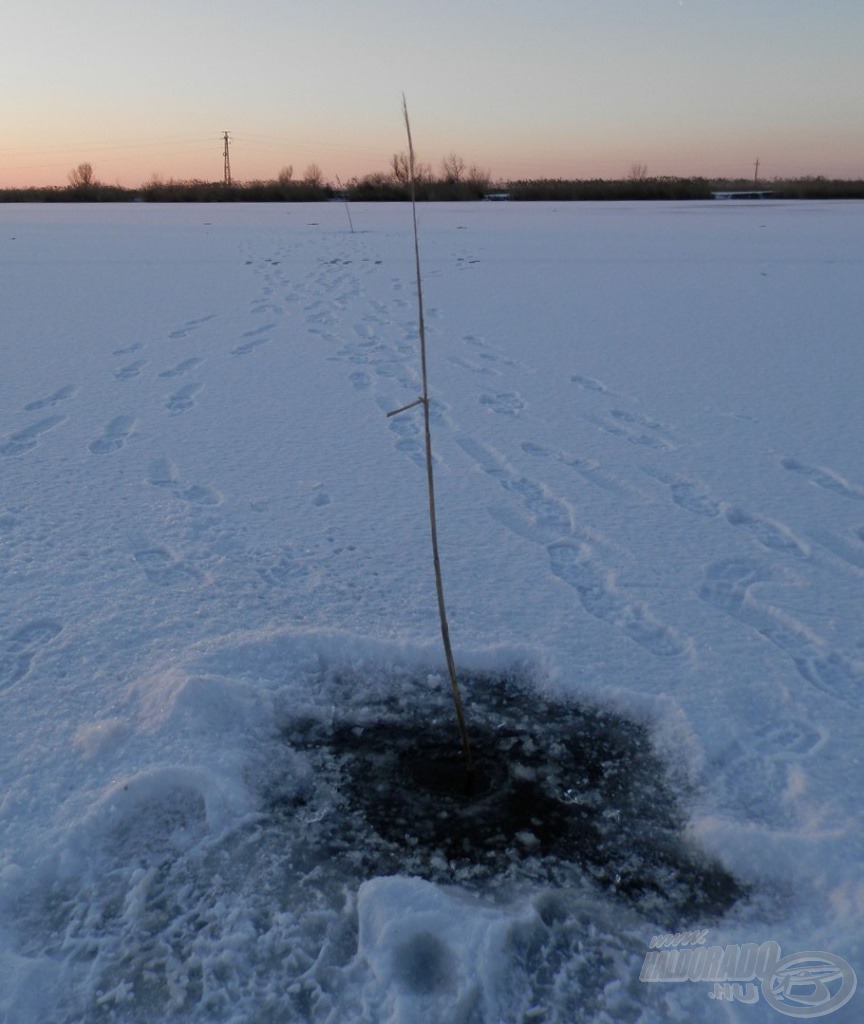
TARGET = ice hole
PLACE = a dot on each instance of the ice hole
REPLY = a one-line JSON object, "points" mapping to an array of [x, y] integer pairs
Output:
{"points": [[556, 789]]}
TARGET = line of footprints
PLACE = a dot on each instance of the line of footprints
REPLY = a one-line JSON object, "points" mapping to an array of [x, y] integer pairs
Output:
{"points": [[117, 430], [532, 510]]}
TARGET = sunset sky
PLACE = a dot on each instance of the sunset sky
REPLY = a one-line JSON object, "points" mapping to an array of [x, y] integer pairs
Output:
{"points": [[555, 88]]}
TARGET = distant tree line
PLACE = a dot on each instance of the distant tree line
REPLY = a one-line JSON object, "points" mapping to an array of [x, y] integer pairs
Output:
{"points": [[455, 181], [611, 189]]}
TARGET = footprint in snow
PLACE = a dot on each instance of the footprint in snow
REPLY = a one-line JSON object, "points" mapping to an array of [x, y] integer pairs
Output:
{"points": [[248, 346], [825, 478], [191, 325], [538, 451], [472, 367], [130, 371], [794, 738], [162, 568], [847, 549], [200, 495], [282, 568], [182, 399], [8, 521], [258, 331], [163, 473], [265, 305], [689, 495], [17, 653], [181, 368], [409, 441], [588, 469], [769, 532], [367, 331], [58, 396], [639, 430], [506, 404], [26, 439], [577, 566], [729, 584], [589, 383], [114, 436], [129, 349]]}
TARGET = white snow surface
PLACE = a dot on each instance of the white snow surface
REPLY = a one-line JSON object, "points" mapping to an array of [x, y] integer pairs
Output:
{"points": [[649, 436]]}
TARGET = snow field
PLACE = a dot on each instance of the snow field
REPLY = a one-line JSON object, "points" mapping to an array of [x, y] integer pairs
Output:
{"points": [[647, 425]]}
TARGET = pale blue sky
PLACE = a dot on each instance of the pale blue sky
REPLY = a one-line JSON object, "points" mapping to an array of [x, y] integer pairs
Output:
{"points": [[572, 88]]}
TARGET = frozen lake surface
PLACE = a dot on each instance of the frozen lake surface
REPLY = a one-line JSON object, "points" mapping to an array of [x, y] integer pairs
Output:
{"points": [[219, 632]]}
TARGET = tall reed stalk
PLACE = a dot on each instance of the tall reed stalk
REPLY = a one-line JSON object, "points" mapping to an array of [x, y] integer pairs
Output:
{"points": [[430, 476], [344, 192]]}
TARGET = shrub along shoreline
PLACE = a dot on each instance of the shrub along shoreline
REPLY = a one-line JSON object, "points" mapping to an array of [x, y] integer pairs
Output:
{"points": [[386, 188]]}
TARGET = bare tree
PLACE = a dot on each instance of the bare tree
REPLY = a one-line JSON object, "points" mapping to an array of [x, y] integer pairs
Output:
{"points": [[286, 174], [422, 172], [637, 172], [400, 167], [478, 178], [81, 176], [313, 176], [452, 167]]}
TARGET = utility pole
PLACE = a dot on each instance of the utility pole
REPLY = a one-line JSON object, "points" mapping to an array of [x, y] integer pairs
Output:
{"points": [[756, 172], [227, 161]]}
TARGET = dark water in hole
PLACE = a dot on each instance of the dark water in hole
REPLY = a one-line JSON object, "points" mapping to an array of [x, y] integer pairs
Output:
{"points": [[555, 788]]}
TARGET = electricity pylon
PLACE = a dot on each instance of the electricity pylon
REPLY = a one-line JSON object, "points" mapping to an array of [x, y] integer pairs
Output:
{"points": [[227, 161]]}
